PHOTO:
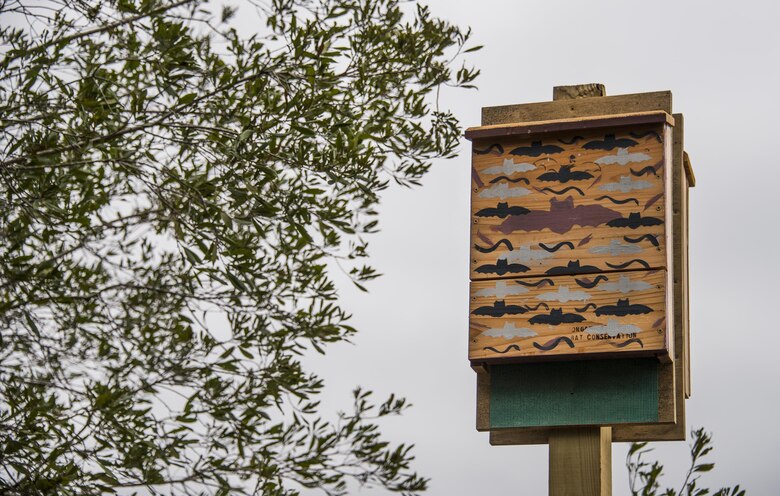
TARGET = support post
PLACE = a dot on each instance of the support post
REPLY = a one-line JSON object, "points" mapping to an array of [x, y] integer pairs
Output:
{"points": [[581, 462], [581, 458]]}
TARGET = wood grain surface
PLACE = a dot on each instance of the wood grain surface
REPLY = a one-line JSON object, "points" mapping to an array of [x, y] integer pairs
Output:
{"points": [[595, 203], [568, 315]]}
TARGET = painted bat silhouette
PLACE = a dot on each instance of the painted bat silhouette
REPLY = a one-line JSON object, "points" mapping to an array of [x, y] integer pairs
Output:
{"points": [[502, 267], [623, 308], [556, 317], [615, 247], [573, 267], [509, 167], [645, 134], [564, 294], [503, 191], [613, 328], [536, 149], [499, 309], [499, 150], [609, 143], [635, 221], [502, 210], [626, 184], [509, 331], [553, 343], [622, 157], [501, 290], [564, 175], [561, 217], [571, 141]]}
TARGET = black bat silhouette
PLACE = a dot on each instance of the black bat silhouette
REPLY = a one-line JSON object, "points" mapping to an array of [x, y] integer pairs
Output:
{"points": [[553, 343], [504, 178], [553, 249], [507, 349], [624, 265], [485, 151], [652, 239], [571, 141], [573, 267], [502, 210], [491, 249], [623, 308], [587, 284], [556, 317], [502, 267], [564, 175], [609, 143], [499, 309], [536, 149], [634, 221], [618, 202], [645, 134]]}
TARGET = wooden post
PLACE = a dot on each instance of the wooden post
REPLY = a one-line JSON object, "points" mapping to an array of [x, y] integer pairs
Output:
{"points": [[581, 462], [581, 458]]}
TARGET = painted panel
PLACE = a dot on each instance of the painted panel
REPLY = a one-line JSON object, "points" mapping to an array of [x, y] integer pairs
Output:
{"points": [[568, 315], [579, 202]]}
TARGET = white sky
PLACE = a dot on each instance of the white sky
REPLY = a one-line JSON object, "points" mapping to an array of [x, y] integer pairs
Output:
{"points": [[720, 61]]}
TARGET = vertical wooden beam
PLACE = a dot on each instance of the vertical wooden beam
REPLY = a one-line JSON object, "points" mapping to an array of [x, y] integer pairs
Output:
{"points": [[581, 458], [581, 462]]}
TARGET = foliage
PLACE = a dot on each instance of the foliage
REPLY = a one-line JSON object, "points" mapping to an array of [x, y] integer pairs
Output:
{"points": [[643, 476], [172, 195]]}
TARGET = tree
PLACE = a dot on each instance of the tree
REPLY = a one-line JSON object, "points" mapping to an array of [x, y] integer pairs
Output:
{"points": [[643, 475], [172, 195]]}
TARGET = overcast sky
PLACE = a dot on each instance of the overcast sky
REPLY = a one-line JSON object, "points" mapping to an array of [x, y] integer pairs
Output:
{"points": [[720, 61]]}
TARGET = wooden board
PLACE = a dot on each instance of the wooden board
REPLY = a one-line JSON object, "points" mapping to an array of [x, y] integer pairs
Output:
{"points": [[567, 316], [581, 462], [580, 107], [576, 202]]}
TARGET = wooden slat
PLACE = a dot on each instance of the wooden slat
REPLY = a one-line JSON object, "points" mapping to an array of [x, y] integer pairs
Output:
{"points": [[581, 462], [483, 398], [581, 107], [618, 313], [676, 431], [540, 128]]}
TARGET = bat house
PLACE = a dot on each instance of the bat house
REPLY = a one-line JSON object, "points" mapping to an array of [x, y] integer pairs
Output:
{"points": [[571, 239], [578, 310]]}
